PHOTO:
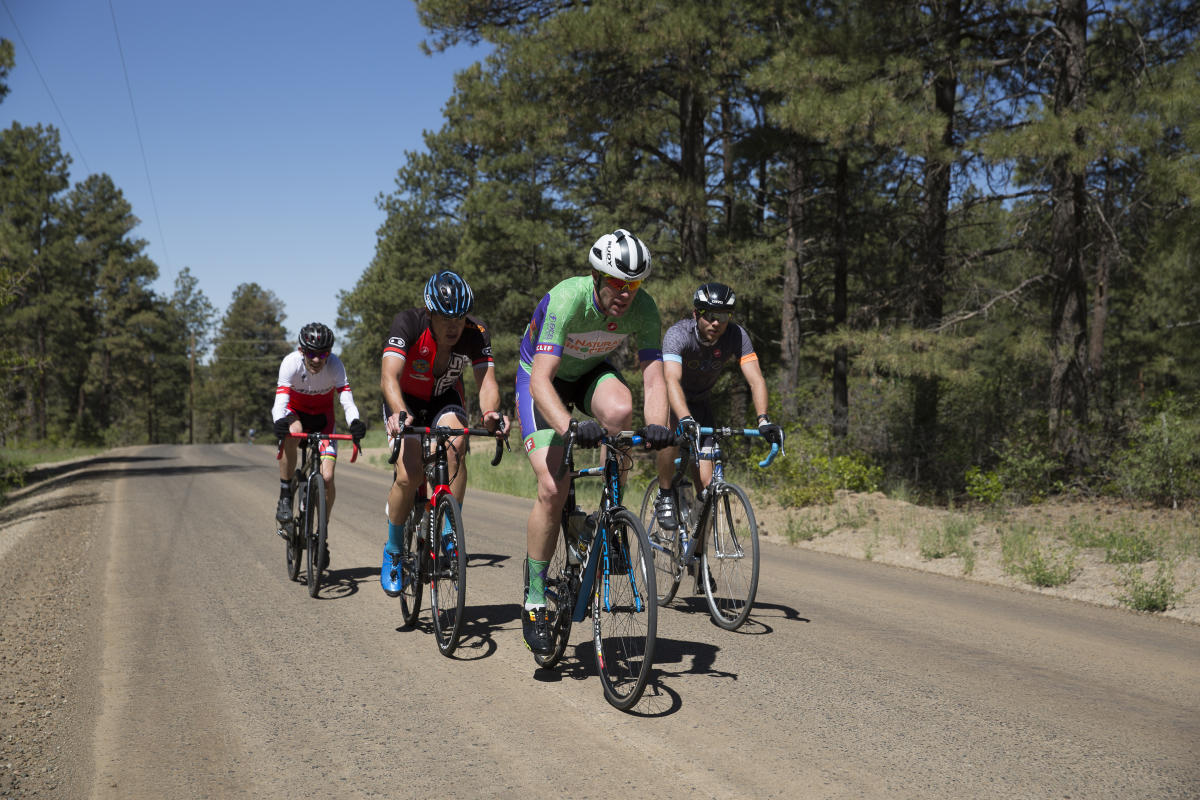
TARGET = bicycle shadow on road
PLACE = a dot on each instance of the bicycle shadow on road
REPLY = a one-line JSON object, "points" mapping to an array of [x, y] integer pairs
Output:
{"points": [[755, 624], [476, 636], [342, 583], [486, 559]]}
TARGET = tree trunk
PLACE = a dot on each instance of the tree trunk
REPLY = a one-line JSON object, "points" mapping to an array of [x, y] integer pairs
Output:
{"points": [[793, 268], [841, 359], [931, 277], [1068, 323], [693, 233]]}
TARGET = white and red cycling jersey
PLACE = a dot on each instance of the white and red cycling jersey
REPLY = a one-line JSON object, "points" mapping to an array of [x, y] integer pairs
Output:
{"points": [[299, 391]]}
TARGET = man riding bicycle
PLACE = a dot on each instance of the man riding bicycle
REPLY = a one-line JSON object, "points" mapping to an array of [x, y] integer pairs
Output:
{"points": [[694, 351], [427, 351], [563, 364], [309, 377]]}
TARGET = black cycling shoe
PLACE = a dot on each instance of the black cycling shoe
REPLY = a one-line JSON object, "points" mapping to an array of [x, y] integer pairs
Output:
{"points": [[664, 509], [535, 623], [283, 512]]}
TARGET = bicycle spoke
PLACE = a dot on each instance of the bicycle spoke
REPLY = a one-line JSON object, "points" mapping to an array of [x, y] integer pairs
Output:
{"points": [[625, 623], [729, 566]]}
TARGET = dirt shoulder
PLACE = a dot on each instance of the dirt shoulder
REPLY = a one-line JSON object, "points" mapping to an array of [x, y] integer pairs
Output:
{"points": [[876, 528]]}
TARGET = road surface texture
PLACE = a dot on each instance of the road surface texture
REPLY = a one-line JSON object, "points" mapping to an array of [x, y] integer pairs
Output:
{"points": [[151, 646]]}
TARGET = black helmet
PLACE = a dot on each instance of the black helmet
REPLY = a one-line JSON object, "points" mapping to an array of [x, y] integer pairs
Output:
{"points": [[448, 294], [316, 336], [714, 296]]}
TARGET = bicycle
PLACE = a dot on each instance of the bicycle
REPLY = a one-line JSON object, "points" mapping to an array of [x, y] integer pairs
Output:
{"points": [[611, 572], [440, 560], [722, 538], [308, 492]]}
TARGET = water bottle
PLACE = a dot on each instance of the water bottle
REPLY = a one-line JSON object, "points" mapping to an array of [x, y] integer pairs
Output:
{"points": [[576, 526]]}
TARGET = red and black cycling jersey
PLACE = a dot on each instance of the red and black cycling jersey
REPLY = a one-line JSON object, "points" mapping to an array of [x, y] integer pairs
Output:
{"points": [[411, 339]]}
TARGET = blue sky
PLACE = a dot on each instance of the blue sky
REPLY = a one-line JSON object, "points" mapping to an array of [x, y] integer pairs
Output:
{"points": [[269, 128]]}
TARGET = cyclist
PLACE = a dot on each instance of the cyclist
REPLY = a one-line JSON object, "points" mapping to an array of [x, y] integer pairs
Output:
{"points": [[563, 364], [309, 377], [694, 351], [426, 353]]}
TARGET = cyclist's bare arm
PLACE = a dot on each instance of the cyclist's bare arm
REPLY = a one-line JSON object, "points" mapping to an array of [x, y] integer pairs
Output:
{"points": [[389, 384], [673, 376], [541, 386], [655, 388], [752, 372], [489, 395]]}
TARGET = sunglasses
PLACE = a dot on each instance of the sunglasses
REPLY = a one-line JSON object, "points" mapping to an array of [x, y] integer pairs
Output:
{"points": [[315, 356], [716, 316], [618, 285]]}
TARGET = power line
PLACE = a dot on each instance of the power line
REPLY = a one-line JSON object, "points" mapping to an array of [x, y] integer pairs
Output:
{"points": [[138, 129], [46, 86]]}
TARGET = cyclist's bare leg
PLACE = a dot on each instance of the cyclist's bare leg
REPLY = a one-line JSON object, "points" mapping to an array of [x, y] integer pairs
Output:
{"points": [[541, 530], [409, 474], [456, 449], [612, 406], [327, 465], [290, 446], [664, 460]]}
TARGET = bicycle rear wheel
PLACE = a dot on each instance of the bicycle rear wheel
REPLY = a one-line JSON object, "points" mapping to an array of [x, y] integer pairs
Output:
{"points": [[664, 545], [316, 531], [730, 561], [448, 588], [624, 610], [562, 579], [410, 569]]}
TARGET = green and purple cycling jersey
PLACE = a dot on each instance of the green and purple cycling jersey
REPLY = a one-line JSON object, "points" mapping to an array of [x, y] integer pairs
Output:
{"points": [[567, 323]]}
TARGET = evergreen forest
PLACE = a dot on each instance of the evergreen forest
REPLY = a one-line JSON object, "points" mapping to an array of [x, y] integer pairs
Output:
{"points": [[962, 234]]}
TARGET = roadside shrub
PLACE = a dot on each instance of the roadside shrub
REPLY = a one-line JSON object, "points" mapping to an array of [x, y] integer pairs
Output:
{"points": [[1024, 555], [1161, 464], [1154, 594], [811, 475], [1023, 474]]}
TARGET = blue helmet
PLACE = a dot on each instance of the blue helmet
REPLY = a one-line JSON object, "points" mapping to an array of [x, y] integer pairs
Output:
{"points": [[448, 294]]}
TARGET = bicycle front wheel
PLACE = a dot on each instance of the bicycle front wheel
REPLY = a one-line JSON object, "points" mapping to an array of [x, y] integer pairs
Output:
{"points": [[624, 610], [730, 561], [315, 529], [664, 547], [410, 568], [448, 588], [561, 581]]}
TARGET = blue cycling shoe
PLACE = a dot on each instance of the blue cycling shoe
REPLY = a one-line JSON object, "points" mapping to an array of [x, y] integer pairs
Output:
{"points": [[390, 575], [448, 537]]}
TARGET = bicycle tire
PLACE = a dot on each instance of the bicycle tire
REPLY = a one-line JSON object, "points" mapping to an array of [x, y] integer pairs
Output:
{"points": [[316, 529], [448, 583], [729, 566], [410, 566], [625, 621], [664, 546], [561, 578], [293, 541]]}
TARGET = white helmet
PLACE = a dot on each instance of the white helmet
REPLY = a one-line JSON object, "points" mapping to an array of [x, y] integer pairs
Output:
{"points": [[621, 255]]}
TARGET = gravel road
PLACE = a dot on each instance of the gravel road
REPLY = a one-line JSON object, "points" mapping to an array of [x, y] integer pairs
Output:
{"points": [[151, 646]]}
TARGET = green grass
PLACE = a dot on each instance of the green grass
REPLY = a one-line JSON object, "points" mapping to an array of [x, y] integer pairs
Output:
{"points": [[954, 539], [15, 462], [1023, 554]]}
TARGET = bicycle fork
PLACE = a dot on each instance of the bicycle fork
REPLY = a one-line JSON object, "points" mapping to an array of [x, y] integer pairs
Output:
{"points": [[602, 552]]}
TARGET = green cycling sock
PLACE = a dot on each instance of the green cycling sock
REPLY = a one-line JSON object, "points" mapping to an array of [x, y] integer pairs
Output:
{"points": [[536, 594]]}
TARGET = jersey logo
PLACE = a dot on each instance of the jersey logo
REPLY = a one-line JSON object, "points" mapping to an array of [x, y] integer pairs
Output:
{"points": [[612, 326], [424, 349], [420, 365], [397, 341], [528, 445], [716, 353], [545, 348]]}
